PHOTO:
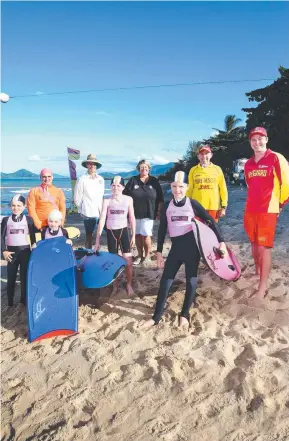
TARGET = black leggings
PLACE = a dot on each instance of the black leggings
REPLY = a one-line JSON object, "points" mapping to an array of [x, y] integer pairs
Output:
{"points": [[21, 257], [184, 250]]}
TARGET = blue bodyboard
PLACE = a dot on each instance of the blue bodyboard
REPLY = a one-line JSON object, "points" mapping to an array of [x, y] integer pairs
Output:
{"points": [[98, 269], [52, 300]]}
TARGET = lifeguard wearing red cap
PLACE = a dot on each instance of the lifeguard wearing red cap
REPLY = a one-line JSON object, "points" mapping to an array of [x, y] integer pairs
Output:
{"points": [[258, 131], [205, 148]]}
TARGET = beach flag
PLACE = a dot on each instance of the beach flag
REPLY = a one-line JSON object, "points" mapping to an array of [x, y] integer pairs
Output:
{"points": [[72, 154]]}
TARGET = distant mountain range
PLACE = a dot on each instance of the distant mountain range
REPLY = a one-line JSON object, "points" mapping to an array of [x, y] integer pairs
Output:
{"points": [[26, 174], [156, 170]]}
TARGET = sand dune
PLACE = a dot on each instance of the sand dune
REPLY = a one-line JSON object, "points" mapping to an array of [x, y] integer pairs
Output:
{"points": [[226, 379]]}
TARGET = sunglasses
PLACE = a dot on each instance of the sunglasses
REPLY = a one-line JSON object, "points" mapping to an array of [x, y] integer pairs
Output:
{"points": [[46, 177]]}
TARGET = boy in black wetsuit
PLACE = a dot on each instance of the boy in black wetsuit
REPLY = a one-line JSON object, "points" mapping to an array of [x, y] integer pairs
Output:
{"points": [[177, 217]]}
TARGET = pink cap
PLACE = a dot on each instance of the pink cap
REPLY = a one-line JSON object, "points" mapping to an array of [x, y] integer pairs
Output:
{"points": [[258, 131], [46, 170]]}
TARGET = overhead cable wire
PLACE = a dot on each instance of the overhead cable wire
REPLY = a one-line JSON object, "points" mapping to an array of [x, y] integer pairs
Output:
{"points": [[154, 86]]}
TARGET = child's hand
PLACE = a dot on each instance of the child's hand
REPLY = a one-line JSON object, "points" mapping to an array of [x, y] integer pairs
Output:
{"points": [[223, 249], [8, 255], [160, 261], [34, 246], [69, 242], [132, 242], [97, 244]]}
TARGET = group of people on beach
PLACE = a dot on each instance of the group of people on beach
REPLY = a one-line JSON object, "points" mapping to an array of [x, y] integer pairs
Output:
{"points": [[129, 213]]}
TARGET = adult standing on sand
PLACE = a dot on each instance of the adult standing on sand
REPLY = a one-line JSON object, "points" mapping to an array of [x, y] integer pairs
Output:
{"points": [[148, 199], [45, 198], [88, 196], [267, 178], [207, 184]]}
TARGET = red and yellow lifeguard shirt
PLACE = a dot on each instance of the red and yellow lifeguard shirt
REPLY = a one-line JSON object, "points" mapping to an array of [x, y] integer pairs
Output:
{"points": [[268, 183], [207, 185]]}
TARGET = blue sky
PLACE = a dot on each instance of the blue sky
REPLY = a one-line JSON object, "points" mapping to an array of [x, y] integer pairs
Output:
{"points": [[70, 46]]}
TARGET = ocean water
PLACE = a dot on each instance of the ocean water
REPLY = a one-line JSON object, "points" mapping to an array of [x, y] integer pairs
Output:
{"points": [[10, 187]]}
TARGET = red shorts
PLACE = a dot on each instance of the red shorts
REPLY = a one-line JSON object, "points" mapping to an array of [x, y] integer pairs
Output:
{"points": [[261, 227], [215, 214]]}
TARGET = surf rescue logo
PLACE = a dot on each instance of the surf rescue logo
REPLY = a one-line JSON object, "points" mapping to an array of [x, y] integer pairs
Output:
{"points": [[15, 231], [253, 173], [117, 211], [179, 218]]}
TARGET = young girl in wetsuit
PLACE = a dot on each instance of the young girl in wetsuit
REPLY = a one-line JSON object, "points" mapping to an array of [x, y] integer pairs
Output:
{"points": [[16, 230], [54, 228], [177, 217], [115, 211]]}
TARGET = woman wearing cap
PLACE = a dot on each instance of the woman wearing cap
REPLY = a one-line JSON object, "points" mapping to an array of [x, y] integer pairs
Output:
{"points": [[16, 230], [267, 178], [115, 211], [177, 217], [88, 196], [45, 198], [147, 196], [207, 184]]}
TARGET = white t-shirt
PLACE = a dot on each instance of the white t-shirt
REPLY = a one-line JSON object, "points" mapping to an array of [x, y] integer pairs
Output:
{"points": [[88, 195]]}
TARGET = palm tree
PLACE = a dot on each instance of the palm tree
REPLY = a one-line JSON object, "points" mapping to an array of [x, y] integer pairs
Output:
{"points": [[232, 131]]}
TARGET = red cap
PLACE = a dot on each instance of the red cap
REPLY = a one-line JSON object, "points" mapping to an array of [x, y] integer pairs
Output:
{"points": [[204, 148], [258, 131]]}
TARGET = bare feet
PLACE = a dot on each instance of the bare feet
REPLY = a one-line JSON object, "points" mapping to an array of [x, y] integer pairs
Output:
{"points": [[261, 293], [147, 324], [129, 290], [183, 322]]}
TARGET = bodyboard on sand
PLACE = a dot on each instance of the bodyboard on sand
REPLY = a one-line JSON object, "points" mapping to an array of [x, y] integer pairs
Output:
{"points": [[226, 268], [52, 300], [98, 269], [73, 233]]}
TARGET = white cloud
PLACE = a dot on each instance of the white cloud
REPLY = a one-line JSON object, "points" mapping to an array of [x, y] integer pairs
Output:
{"points": [[214, 133], [101, 113], [154, 159], [34, 158], [38, 92]]}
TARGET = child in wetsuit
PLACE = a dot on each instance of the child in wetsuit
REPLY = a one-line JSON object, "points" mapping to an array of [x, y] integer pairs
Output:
{"points": [[115, 211], [54, 228], [177, 217], [16, 230]]}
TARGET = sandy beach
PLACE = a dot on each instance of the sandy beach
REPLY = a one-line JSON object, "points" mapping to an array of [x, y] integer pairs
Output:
{"points": [[226, 379]]}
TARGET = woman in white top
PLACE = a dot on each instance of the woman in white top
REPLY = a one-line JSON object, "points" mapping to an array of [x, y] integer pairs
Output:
{"points": [[88, 196]]}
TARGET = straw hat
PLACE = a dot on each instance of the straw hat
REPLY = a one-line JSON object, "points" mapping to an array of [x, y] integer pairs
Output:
{"points": [[91, 158]]}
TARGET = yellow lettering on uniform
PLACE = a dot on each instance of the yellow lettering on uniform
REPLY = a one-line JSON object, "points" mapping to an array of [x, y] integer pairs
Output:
{"points": [[254, 173]]}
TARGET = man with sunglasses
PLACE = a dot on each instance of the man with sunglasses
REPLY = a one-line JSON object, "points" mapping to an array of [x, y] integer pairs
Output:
{"points": [[45, 198]]}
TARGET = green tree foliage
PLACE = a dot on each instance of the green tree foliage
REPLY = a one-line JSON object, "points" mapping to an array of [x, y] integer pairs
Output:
{"points": [[232, 143], [272, 112]]}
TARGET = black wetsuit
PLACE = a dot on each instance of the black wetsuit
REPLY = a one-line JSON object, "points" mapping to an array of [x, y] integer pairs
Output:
{"points": [[184, 250], [20, 257]]}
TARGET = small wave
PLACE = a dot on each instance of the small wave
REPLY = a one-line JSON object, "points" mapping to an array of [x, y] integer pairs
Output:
{"points": [[5, 188], [22, 190]]}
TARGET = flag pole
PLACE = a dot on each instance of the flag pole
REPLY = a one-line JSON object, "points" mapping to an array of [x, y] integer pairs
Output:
{"points": [[72, 154]]}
